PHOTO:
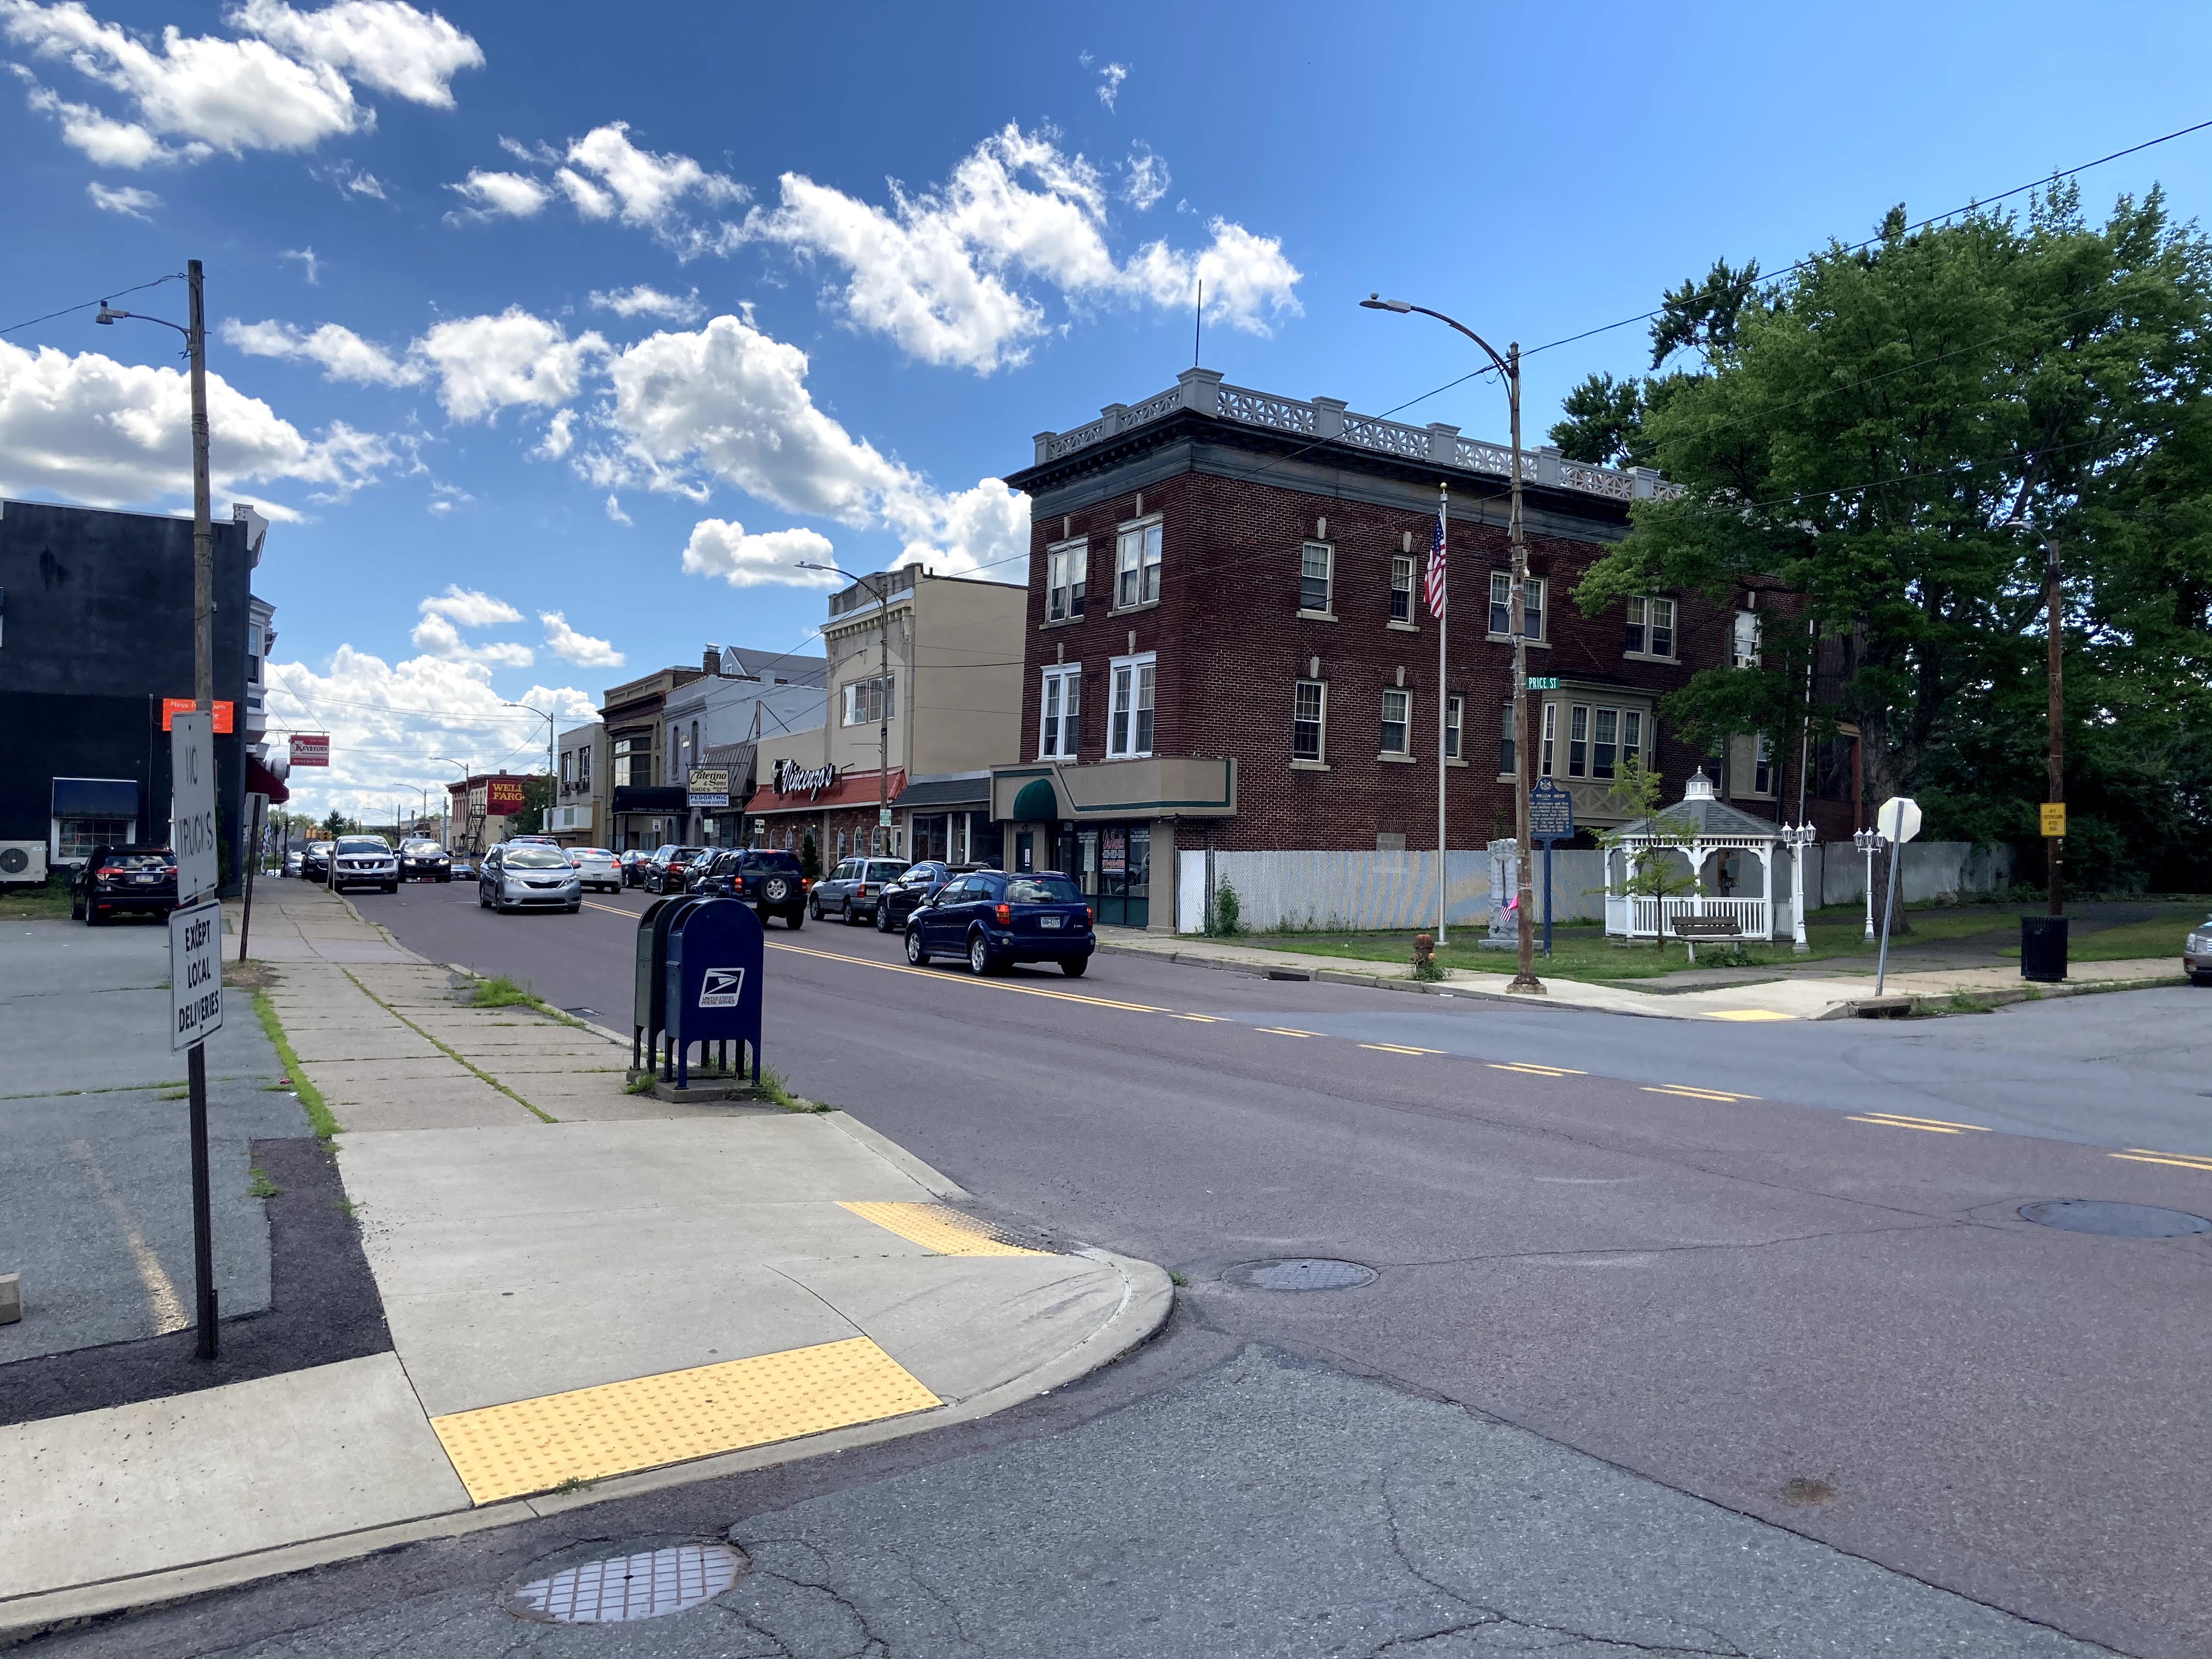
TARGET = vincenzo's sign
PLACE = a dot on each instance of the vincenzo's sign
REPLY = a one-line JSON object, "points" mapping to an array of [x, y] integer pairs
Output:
{"points": [[792, 779]]}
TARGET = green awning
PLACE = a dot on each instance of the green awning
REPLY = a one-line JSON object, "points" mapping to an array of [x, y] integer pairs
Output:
{"points": [[1036, 804]]}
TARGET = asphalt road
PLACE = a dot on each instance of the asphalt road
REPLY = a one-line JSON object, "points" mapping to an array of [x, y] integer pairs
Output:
{"points": [[1682, 1250]]}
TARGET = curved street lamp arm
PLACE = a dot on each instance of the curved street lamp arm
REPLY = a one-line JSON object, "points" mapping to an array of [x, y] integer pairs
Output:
{"points": [[1470, 333]]}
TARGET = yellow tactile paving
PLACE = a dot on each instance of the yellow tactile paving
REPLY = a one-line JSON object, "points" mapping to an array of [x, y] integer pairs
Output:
{"points": [[938, 1228], [588, 1434]]}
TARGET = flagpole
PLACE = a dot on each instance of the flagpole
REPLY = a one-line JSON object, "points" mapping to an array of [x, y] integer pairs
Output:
{"points": [[1443, 706]]}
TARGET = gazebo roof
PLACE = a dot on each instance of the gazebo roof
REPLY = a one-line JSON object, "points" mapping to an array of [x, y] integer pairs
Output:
{"points": [[1703, 814]]}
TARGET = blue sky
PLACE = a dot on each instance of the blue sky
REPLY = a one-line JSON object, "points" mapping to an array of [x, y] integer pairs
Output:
{"points": [[552, 337]]}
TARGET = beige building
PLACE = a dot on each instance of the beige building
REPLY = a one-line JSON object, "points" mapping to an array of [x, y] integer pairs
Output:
{"points": [[928, 680]]}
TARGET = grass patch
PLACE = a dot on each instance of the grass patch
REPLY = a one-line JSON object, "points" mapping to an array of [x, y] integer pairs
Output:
{"points": [[501, 992], [642, 1085], [575, 1483], [1177, 1277], [176, 1094], [320, 1117], [49, 902], [773, 1087], [258, 1185], [2160, 936]]}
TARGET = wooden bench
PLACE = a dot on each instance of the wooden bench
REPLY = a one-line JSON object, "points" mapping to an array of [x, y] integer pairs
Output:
{"points": [[1690, 929]]}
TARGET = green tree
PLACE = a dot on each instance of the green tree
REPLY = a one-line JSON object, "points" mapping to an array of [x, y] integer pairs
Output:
{"points": [[334, 825], [1860, 446], [1653, 872], [537, 796]]}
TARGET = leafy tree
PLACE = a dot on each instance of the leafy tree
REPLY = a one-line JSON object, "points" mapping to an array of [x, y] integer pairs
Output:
{"points": [[1860, 448], [537, 798], [1653, 873]]}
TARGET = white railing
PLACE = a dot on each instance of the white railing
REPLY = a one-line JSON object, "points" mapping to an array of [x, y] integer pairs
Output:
{"points": [[1654, 918], [1324, 418]]}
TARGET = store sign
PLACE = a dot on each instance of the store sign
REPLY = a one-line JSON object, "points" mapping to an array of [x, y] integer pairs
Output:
{"points": [[173, 707], [503, 797], [1114, 853], [311, 749], [708, 786], [792, 779]]}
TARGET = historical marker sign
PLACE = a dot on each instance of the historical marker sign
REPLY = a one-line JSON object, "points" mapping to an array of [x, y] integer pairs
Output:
{"points": [[1550, 811]]}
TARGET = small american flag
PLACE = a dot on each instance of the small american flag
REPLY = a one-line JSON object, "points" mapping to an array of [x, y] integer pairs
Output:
{"points": [[1436, 578]]}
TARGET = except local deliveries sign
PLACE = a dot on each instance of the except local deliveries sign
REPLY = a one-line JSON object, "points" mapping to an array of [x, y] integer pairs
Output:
{"points": [[2054, 818], [192, 805], [792, 779], [173, 707], [708, 786], [195, 973], [502, 797], [311, 749], [1550, 811]]}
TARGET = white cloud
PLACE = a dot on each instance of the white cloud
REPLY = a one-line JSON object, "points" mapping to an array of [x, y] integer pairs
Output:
{"points": [[485, 364], [470, 607], [311, 265], [983, 529], [647, 301], [437, 637], [581, 649], [87, 429], [391, 724], [1148, 177], [614, 508], [362, 184], [718, 548], [937, 271], [591, 201], [283, 87], [128, 200], [1109, 82], [344, 354], [515, 195], [560, 433]]}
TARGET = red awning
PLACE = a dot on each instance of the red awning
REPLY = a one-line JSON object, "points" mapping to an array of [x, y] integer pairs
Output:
{"points": [[850, 790], [260, 780]]}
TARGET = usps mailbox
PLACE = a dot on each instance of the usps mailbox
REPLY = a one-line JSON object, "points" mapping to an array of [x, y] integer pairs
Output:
{"points": [[649, 997], [715, 950]]}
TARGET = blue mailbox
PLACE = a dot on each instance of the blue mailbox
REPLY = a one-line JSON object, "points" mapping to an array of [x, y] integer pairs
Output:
{"points": [[649, 998], [716, 951]]}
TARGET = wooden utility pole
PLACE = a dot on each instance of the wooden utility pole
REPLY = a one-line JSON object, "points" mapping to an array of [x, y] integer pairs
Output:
{"points": [[2055, 791]]}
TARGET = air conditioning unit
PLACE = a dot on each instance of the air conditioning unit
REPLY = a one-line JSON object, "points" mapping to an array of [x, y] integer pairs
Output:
{"points": [[23, 861]]}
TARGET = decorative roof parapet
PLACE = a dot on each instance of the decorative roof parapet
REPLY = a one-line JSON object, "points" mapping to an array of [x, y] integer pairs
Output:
{"points": [[1203, 391]]}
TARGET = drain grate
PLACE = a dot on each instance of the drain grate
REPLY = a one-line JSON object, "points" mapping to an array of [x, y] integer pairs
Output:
{"points": [[1303, 1273], [2112, 1221], [650, 1585]]}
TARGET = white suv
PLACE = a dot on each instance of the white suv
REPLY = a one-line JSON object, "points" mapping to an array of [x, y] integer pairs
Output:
{"points": [[364, 861]]}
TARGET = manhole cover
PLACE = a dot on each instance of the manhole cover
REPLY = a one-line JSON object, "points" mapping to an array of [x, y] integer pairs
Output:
{"points": [[645, 1586], [1303, 1273], [2096, 1215]]}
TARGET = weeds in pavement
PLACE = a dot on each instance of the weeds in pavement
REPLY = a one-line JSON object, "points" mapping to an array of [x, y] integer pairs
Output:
{"points": [[501, 992], [773, 1087], [575, 1483], [640, 1085], [1177, 1277], [258, 1185], [319, 1118], [347, 1204], [176, 1094]]}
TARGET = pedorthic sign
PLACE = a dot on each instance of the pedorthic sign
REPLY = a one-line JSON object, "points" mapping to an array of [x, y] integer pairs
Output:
{"points": [[192, 805], [195, 973], [708, 786], [1550, 811]]}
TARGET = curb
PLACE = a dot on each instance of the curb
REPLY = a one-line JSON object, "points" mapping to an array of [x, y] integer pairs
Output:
{"points": [[1147, 1299]]}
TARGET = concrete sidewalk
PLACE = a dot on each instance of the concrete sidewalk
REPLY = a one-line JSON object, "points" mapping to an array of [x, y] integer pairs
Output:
{"points": [[1794, 995], [588, 1292]]}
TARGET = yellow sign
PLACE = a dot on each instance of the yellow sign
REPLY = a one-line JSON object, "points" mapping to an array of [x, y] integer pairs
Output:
{"points": [[2054, 818]]}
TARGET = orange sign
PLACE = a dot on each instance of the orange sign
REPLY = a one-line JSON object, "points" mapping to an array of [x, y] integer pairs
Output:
{"points": [[171, 706]]}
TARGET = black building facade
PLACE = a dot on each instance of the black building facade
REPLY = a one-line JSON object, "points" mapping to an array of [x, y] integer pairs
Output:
{"points": [[95, 632]]}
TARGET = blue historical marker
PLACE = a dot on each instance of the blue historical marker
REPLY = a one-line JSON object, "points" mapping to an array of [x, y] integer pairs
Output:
{"points": [[1551, 821], [715, 953]]}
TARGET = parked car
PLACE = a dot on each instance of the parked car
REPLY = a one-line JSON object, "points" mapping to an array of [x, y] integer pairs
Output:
{"points": [[466, 866], [125, 881], [315, 864], [424, 860], [994, 919], [539, 841], [920, 883], [528, 876], [2196, 953], [850, 890], [633, 864], [596, 868], [670, 868], [768, 880], [294, 858], [364, 861]]}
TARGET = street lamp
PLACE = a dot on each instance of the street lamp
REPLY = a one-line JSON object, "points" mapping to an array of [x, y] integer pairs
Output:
{"points": [[1509, 366], [1797, 838], [881, 579], [1869, 841], [195, 332], [547, 825]]}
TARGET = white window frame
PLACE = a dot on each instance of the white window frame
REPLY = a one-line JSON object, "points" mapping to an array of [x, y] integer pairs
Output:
{"points": [[1642, 627], [859, 703], [1327, 605], [1059, 710], [1582, 750], [1744, 641], [1320, 722], [1454, 716], [1137, 555], [1402, 564], [1509, 739], [1066, 566], [1551, 736], [1131, 694], [1405, 724], [1533, 598]]}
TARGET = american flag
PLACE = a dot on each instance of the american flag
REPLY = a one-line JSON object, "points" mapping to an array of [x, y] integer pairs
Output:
{"points": [[1435, 579]]}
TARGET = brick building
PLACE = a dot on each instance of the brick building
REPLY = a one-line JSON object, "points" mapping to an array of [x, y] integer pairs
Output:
{"points": [[1227, 645]]}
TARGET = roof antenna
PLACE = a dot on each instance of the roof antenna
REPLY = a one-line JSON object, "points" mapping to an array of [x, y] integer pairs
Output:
{"points": [[1197, 321]]}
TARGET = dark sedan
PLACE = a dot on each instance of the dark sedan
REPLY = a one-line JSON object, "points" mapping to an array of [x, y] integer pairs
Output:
{"points": [[995, 920], [424, 860], [634, 865], [918, 884], [315, 864], [670, 868], [119, 881]]}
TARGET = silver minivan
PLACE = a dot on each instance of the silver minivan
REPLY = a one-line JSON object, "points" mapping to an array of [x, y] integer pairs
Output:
{"points": [[528, 876]]}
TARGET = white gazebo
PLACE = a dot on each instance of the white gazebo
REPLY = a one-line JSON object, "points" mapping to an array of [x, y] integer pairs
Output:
{"points": [[1717, 843]]}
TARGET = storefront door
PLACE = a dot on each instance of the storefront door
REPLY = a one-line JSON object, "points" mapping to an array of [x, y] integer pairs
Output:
{"points": [[1124, 874]]}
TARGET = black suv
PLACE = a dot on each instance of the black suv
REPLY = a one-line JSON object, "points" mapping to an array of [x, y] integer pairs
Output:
{"points": [[670, 868], [770, 882], [118, 880], [919, 885]]}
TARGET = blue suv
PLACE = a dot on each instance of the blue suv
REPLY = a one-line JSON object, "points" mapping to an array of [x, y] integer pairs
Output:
{"points": [[994, 920]]}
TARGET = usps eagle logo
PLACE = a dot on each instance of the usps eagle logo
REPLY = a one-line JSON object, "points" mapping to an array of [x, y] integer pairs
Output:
{"points": [[721, 988]]}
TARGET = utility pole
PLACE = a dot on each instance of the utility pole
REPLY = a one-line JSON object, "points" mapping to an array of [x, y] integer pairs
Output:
{"points": [[883, 709], [203, 528], [2054, 604]]}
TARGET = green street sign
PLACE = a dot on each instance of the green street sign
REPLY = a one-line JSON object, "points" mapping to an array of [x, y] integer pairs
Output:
{"points": [[1546, 683]]}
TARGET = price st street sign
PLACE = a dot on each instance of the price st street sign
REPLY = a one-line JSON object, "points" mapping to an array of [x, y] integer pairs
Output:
{"points": [[195, 973], [1543, 682]]}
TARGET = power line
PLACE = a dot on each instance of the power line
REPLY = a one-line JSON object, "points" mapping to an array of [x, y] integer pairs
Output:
{"points": [[173, 277]]}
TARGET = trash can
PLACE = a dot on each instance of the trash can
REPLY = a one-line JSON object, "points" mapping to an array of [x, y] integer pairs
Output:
{"points": [[2042, 949]]}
